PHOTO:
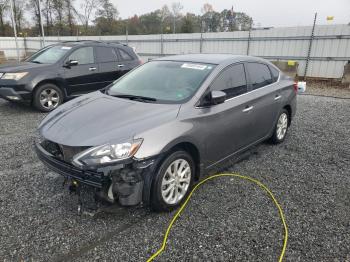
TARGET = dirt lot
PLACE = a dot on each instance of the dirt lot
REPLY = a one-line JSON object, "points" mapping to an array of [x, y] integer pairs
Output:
{"points": [[227, 219]]}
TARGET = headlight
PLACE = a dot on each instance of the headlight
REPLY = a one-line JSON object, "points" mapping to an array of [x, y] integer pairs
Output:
{"points": [[14, 76], [106, 154]]}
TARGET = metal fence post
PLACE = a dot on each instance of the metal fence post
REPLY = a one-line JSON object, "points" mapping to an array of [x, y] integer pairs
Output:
{"points": [[127, 36], [161, 45], [310, 46], [248, 43]]}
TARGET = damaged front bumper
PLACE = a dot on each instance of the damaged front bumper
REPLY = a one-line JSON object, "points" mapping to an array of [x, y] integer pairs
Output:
{"points": [[127, 182]]}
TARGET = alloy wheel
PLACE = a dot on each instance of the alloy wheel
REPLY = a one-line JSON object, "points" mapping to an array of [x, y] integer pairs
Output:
{"points": [[176, 181], [49, 98], [282, 126]]}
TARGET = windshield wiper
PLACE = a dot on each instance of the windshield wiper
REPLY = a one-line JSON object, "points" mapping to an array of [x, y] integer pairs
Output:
{"points": [[37, 62], [134, 97]]}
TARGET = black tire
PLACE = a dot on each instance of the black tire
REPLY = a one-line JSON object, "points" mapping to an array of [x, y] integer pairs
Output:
{"points": [[276, 138], [41, 90], [157, 201]]}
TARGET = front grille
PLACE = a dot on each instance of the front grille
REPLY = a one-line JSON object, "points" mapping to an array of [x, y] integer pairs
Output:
{"points": [[62, 152], [88, 177], [70, 151]]}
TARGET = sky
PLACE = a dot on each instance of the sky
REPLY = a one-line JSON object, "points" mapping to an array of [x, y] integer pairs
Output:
{"points": [[264, 12]]}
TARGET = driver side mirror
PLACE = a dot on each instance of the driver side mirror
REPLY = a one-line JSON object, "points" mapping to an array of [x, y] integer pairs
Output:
{"points": [[70, 63], [216, 97]]}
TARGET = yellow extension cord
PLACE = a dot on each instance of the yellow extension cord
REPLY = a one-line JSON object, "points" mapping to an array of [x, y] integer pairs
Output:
{"points": [[261, 185]]}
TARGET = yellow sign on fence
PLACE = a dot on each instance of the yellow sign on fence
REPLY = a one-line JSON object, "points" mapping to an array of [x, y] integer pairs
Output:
{"points": [[291, 63]]}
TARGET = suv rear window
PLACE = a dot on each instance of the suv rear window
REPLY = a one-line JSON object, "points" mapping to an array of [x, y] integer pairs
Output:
{"points": [[260, 75]]}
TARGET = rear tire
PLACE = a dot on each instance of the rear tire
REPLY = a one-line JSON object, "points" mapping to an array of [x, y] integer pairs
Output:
{"points": [[281, 128], [173, 181], [47, 97]]}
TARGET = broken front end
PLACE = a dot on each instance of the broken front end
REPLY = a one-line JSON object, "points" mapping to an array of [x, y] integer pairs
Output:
{"points": [[127, 181]]}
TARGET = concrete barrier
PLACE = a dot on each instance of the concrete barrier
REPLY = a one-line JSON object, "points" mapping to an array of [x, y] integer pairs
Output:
{"points": [[290, 68]]}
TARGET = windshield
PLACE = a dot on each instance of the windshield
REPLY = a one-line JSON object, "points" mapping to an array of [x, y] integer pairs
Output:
{"points": [[163, 81], [49, 55]]}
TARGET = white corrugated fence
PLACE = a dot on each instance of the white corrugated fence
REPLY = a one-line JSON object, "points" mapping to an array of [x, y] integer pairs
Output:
{"points": [[330, 49]]}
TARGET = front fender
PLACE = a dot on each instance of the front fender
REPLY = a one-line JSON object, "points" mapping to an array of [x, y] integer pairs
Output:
{"points": [[161, 139]]}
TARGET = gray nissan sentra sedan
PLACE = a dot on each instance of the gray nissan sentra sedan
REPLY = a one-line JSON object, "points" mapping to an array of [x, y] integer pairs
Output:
{"points": [[151, 134]]}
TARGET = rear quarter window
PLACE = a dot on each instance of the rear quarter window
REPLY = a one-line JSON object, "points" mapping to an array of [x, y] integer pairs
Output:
{"points": [[124, 55]]}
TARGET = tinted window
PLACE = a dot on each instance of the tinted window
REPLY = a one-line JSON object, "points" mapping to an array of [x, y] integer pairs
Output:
{"points": [[106, 54], [232, 81], [259, 74], [275, 73], [166, 81], [84, 55], [124, 55]]}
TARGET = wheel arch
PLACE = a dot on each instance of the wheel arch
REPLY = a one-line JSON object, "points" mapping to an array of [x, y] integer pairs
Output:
{"points": [[289, 110], [57, 82]]}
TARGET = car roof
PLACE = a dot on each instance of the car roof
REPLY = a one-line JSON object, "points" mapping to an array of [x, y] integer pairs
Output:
{"points": [[211, 58]]}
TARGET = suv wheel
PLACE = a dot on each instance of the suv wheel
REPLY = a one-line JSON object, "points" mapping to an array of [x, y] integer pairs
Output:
{"points": [[47, 97], [281, 128], [173, 181]]}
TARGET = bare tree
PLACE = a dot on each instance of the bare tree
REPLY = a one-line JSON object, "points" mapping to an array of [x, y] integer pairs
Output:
{"points": [[3, 12], [70, 11], [58, 7], [176, 12], [33, 7], [88, 9], [163, 14], [18, 11]]}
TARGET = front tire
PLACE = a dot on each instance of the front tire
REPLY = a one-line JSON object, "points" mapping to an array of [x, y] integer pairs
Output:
{"points": [[47, 97], [281, 128], [173, 181]]}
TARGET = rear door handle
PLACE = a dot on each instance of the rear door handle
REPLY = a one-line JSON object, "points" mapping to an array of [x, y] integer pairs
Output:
{"points": [[247, 109], [120, 65], [92, 68], [277, 97]]}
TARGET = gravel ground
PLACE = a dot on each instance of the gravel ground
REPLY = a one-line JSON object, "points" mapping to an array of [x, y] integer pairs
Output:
{"points": [[327, 88], [227, 219]]}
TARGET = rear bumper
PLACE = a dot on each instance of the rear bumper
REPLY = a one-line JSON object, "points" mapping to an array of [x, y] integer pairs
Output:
{"points": [[90, 178], [12, 94]]}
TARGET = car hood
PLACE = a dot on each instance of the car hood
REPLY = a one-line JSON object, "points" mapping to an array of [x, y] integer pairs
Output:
{"points": [[20, 67], [96, 119]]}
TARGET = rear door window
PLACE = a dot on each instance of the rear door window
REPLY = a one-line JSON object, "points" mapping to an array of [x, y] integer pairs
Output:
{"points": [[124, 55], [84, 55], [106, 54], [259, 75], [232, 81]]}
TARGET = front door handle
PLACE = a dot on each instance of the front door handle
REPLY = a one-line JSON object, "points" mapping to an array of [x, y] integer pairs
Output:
{"points": [[247, 109], [92, 68], [277, 97], [120, 65]]}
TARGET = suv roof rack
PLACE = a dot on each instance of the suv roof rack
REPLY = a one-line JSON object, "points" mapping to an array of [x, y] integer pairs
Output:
{"points": [[94, 41]]}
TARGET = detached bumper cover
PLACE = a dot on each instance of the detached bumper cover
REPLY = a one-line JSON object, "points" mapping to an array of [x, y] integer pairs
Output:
{"points": [[91, 178]]}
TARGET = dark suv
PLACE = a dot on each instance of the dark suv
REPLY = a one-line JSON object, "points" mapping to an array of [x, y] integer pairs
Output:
{"points": [[65, 70]]}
